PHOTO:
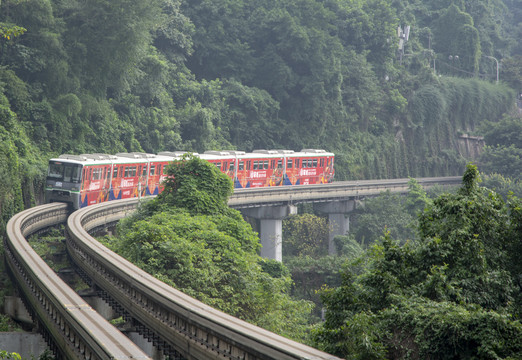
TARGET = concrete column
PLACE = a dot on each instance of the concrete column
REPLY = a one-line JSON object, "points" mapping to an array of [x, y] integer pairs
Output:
{"points": [[338, 219], [271, 228]]}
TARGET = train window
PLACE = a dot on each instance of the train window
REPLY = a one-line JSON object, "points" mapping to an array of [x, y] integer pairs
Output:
{"points": [[296, 163], [115, 172], [305, 164], [241, 165], [133, 171], [321, 163], [314, 163], [90, 174], [71, 173], [289, 163], [55, 170], [218, 165], [279, 164], [67, 174], [96, 174], [266, 164], [232, 166], [152, 170], [144, 172], [255, 164], [126, 171], [310, 163]]}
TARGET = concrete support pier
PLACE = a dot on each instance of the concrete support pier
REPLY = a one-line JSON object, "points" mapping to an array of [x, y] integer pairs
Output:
{"points": [[271, 228], [338, 219]]}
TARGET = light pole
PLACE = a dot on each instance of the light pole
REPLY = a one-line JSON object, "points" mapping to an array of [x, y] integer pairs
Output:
{"points": [[453, 58], [492, 58]]}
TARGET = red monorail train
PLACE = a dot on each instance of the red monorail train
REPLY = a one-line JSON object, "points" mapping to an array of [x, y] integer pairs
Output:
{"points": [[87, 179]]}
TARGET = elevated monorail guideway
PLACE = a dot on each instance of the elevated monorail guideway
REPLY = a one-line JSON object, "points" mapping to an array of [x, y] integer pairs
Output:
{"points": [[176, 322], [336, 191], [71, 327]]}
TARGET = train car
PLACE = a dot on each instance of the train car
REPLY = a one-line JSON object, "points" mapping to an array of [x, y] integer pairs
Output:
{"points": [[87, 179]]}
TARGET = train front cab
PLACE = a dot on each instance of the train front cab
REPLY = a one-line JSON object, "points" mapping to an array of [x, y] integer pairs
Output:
{"points": [[63, 182]]}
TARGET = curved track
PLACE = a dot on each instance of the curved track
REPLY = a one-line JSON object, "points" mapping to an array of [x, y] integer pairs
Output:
{"points": [[69, 324], [178, 323]]}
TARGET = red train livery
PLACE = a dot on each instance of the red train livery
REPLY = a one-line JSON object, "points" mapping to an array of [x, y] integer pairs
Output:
{"points": [[87, 179]]}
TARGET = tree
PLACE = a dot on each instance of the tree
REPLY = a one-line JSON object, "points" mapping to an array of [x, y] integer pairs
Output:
{"points": [[454, 35], [305, 235], [511, 72], [106, 39], [506, 132], [190, 239], [385, 213], [454, 293], [196, 185], [504, 160]]}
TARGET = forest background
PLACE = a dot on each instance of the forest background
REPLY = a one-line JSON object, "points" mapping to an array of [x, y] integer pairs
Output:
{"points": [[122, 75]]}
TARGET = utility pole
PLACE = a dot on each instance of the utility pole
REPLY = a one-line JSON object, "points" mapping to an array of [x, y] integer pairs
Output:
{"points": [[496, 61]]}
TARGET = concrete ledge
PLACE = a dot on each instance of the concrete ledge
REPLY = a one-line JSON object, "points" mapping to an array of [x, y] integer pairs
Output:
{"points": [[28, 345]]}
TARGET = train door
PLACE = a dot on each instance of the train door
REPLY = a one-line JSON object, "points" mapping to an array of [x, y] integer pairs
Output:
{"points": [[129, 181], [92, 192], [258, 176], [276, 172], [116, 178], [143, 175], [105, 184], [243, 167], [308, 171]]}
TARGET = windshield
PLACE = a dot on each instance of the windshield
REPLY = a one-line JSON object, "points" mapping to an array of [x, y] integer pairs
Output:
{"points": [[64, 172]]}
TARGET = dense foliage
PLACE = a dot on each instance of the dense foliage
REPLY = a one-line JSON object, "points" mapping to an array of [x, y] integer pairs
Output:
{"points": [[456, 292], [195, 243], [110, 76]]}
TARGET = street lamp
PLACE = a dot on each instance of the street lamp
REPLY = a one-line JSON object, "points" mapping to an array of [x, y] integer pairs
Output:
{"points": [[492, 58], [453, 58]]}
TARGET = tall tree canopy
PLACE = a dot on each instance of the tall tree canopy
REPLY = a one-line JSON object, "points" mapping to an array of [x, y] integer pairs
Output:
{"points": [[455, 293]]}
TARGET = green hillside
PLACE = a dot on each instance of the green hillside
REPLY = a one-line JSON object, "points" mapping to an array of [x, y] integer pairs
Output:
{"points": [[111, 76]]}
